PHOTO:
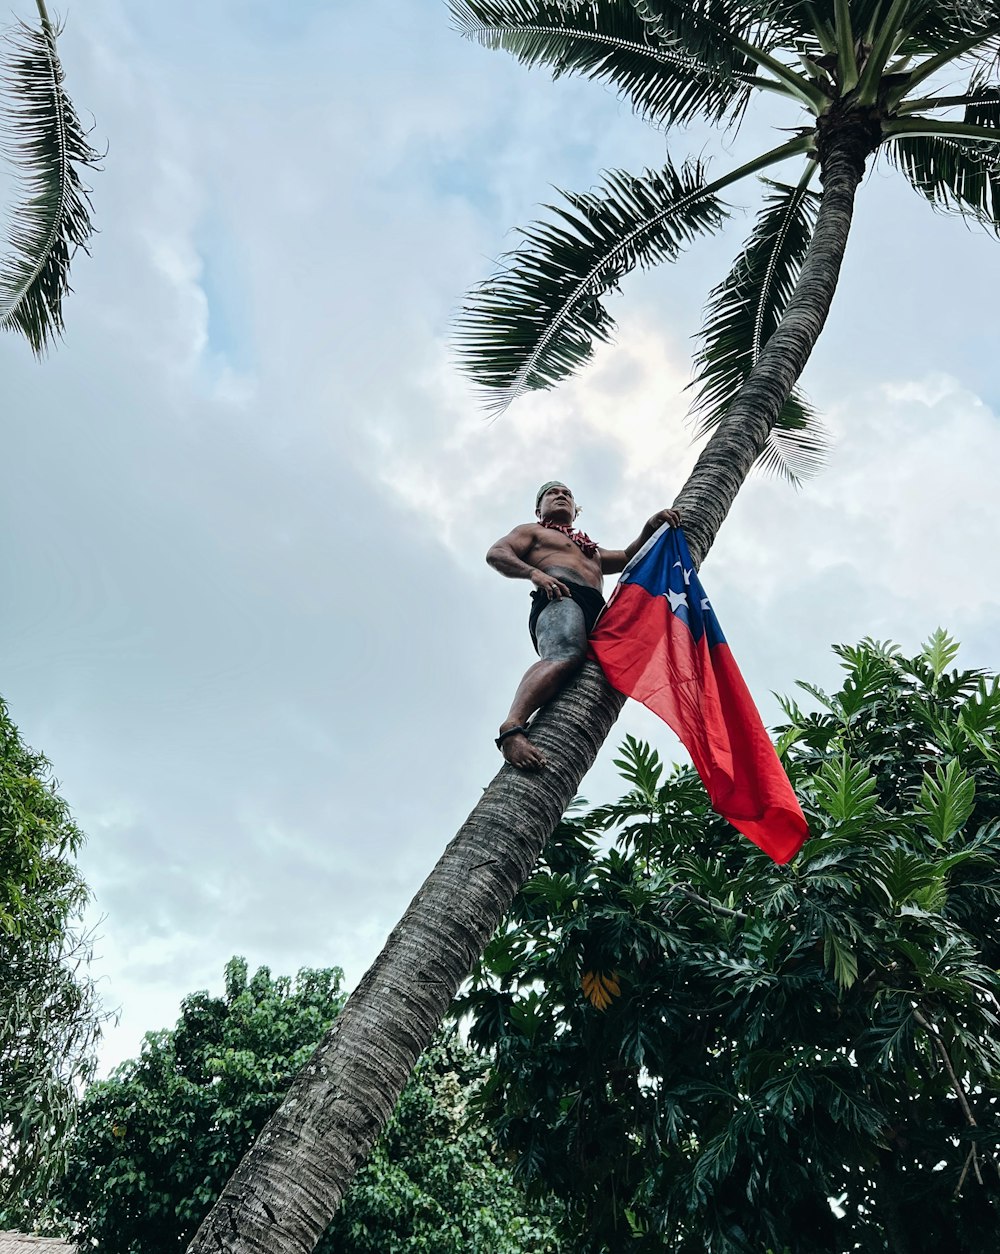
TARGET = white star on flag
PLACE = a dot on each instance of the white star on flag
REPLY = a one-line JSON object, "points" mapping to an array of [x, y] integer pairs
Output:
{"points": [[677, 599]]}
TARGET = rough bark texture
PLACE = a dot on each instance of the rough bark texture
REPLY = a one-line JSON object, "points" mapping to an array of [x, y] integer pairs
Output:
{"points": [[286, 1190], [718, 475]]}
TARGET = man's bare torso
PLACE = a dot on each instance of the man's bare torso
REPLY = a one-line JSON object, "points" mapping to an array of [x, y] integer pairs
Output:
{"points": [[556, 554]]}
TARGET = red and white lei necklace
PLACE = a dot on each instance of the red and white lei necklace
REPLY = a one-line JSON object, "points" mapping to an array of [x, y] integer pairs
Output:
{"points": [[580, 538]]}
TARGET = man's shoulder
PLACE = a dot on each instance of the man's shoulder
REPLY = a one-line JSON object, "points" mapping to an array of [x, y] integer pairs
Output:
{"points": [[531, 529]]}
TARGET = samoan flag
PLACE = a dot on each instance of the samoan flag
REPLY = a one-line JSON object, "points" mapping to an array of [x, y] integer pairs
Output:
{"points": [[659, 642]]}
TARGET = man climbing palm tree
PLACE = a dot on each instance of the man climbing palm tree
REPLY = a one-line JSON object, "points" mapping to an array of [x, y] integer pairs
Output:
{"points": [[862, 76], [567, 569]]}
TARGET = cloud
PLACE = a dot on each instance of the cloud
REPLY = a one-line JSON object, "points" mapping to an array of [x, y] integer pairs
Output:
{"points": [[246, 503]]}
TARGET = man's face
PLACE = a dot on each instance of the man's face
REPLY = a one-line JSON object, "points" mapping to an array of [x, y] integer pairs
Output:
{"points": [[558, 500]]}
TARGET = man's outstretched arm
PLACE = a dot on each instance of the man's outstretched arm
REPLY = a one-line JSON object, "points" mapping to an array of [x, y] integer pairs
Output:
{"points": [[614, 561]]}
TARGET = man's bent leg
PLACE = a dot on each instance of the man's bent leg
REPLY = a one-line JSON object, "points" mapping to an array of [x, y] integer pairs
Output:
{"points": [[561, 634]]}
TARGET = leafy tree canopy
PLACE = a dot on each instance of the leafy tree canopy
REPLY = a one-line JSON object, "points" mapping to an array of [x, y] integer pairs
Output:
{"points": [[698, 1050], [49, 1021], [157, 1141]]}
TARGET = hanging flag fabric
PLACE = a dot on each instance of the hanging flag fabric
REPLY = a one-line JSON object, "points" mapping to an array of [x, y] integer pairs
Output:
{"points": [[659, 642]]}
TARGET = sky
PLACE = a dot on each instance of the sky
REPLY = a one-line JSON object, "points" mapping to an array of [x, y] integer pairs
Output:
{"points": [[245, 503]]}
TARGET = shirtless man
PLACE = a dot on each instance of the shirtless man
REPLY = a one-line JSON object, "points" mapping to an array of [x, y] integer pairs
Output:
{"points": [[566, 567]]}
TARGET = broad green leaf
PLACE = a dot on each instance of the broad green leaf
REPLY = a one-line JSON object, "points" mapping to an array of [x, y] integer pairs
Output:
{"points": [[947, 799], [979, 719], [939, 652], [640, 764], [845, 790], [933, 897], [904, 873], [787, 739], [841, 958], [856, 657], [823, 698]]}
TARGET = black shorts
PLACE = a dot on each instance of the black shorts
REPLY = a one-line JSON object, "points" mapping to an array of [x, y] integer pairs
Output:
{"points": [[589, 600]]}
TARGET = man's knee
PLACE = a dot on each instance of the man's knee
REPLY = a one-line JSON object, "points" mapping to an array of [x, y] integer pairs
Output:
{"points": [[567, 655]]}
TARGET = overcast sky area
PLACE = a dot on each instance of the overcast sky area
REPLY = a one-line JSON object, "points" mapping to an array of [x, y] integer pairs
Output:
{"points": [[246, 502]]}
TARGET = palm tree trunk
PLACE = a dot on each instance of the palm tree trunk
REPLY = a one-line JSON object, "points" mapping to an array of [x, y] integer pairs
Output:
{"points": [[287, 1188], [725, 462]]}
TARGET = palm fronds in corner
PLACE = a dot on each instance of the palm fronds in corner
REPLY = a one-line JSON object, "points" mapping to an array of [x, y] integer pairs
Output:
{"points": [[46, 144], [863, 76]]}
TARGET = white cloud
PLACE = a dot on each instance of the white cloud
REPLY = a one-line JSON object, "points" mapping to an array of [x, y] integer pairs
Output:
{"points": [[246, 609]]}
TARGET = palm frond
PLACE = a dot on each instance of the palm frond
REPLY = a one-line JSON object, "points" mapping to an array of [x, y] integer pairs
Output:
{"points": [[956, 176], [923, 27], [665, 80], [971, 31], [742, 314], [798, 444], [803, 14], [712, 30], [935, 27], [536, 321], [46, 144], [983, 104], [718, 32]]}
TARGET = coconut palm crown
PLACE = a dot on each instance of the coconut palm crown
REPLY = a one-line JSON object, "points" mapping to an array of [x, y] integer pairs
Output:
{"points": [[862, 77], [46, 145]]}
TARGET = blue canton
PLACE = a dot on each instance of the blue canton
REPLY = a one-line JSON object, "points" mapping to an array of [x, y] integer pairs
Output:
{"points": [[666, 570]]}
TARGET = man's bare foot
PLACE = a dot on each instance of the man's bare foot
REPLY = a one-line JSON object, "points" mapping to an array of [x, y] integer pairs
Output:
{"points": [[518, 750]]}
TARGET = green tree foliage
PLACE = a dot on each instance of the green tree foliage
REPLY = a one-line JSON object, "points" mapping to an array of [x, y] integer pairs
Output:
{"points": [[35, 827], [49, 1020], [433, 1184], [802, 1057], [157, 1141]]}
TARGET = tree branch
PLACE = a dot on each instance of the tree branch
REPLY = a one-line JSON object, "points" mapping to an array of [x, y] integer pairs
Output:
{"points": [[970, 1118], [691, 895], [942, 1052]]}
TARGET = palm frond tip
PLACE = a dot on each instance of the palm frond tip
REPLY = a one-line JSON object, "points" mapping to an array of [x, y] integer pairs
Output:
{"points": [[955, 176], [536, 321], [46, 144]]}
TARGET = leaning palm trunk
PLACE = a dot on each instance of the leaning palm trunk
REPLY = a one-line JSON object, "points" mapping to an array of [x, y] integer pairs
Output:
{"points": [[728, 456], [287, 1188]]}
